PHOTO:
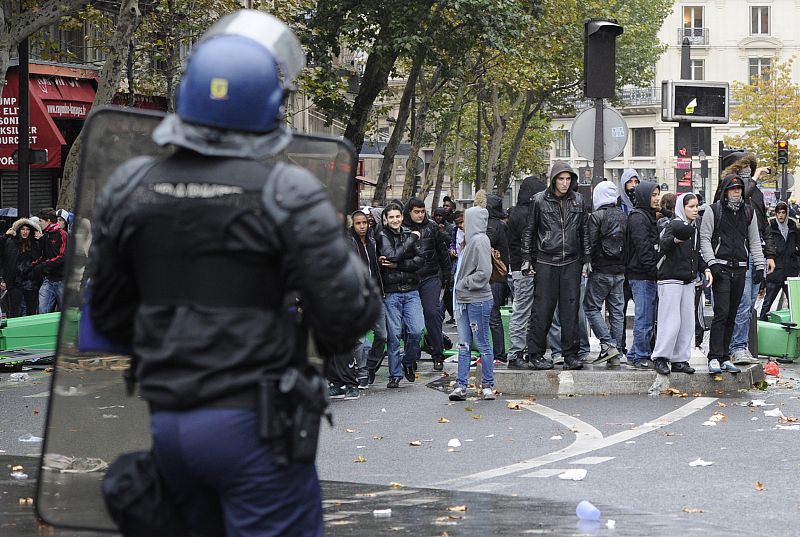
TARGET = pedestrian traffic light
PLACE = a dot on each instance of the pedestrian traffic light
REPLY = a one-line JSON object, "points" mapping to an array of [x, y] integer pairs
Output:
{"points": [[783, 151]]}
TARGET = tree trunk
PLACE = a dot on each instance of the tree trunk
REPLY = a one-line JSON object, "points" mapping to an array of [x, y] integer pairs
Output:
{"points": [[421, 119], [498, 130], [437, 160], [27, 23], [440, 169], [376, 74], [390, 151], [113, 68], [525, 121], [456, 155]]}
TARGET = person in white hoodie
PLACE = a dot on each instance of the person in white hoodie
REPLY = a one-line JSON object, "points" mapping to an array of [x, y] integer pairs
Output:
{"points": [[606, 272], [473, 302]]}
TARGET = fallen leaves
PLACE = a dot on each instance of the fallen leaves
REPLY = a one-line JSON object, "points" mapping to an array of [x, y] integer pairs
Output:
{"points": [[444, 420], [415, 443], [26, 501], [360, 458], [377, 437], [718, 416], [513, 406], [396, 485], [467, 409], [674, 392], [349, 430], [476, 417], [457, 508], [693, 510], [788, 419], [759, 486]]}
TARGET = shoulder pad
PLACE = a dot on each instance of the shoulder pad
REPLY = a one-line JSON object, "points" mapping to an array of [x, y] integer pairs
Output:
{"points": [[291, 189]]}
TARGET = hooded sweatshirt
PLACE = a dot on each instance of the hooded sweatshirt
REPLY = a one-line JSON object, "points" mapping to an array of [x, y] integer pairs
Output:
{"points": [[496, 228], [641, 236], [519, 218], [680, 262], [475, 262], [626, 202], [431, 245], [607, 225]]}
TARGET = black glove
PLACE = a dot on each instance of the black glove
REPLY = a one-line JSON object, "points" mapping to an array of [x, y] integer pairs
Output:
{"points": [[758, 276], [716, 270]]}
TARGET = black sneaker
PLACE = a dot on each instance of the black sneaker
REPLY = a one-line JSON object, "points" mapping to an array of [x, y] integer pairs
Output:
{"points": [[438, 363], [351, 392], [682, 367], [371, 377], [393, 383], [520, 364], [501, 358], [573, 363], [645, 363], [363, 383], [541, 363], [408, 372], [662, 366], [336, 392]]}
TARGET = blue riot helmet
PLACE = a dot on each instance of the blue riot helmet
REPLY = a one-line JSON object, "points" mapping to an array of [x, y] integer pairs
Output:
{"points": [[231, 82]]}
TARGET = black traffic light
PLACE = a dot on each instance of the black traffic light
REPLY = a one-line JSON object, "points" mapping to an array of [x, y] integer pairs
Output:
{"points": [[599, 57], [783, 151]]}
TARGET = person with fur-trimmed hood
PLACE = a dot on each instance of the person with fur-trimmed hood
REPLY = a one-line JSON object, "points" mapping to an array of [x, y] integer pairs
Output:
{"points": [[20, 248], [787, 247], [728, 237], [745, 166], [555, 246]]}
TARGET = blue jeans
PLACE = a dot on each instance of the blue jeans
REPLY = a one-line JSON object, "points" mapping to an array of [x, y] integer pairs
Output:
{"points": [[50, 294], [554, 335], [367, 358], [403, 309], [645, 293], [741, 330], [605, 288], [224, 479], [473, 323]]}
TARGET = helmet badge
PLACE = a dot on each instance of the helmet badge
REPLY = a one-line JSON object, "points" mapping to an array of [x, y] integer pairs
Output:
{"points": [[219, 89]]}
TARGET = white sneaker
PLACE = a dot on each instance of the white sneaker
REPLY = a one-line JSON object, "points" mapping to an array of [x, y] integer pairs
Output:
{"points": [[729, 367], [713, 366], [459, 394], [488, 394], [743, 356]]}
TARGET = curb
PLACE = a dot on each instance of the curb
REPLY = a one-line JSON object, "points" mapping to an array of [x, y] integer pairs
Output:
{"points": [[622, 382]]}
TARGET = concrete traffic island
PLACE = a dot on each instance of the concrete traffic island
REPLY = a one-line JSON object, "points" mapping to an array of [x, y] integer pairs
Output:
{"points": [[603, 381]]}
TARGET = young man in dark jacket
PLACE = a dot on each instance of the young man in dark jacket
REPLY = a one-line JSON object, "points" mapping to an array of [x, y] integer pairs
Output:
{"points": [[364, 244], [51, 264], [523, 283], [434, 275], [787, 250], [555, 246], [728, 237], [641, 252], [400, 261], [497, 230], [607, 225]]}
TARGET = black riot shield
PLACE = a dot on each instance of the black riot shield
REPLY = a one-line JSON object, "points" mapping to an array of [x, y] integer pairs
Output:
{"points": [[90, 418]]}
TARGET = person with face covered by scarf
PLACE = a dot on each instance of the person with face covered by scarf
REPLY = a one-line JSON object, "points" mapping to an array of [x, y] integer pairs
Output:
{"points": [[627, 186], [787, 249], [678, 270], [728, 236]]}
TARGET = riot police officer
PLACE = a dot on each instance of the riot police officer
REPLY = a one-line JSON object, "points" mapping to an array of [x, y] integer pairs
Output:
{"points": [[198, 259]]}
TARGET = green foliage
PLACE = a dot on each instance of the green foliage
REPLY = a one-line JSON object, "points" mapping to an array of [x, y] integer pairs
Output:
{"points": [[769, 107]]}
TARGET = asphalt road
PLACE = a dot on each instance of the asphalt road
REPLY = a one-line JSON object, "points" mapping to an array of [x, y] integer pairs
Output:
{"points": [[636, 452]]}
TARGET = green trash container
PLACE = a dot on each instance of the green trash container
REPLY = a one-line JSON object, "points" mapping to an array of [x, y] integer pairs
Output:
{"points": [[780, 316], [778, 341], [31, 332]]}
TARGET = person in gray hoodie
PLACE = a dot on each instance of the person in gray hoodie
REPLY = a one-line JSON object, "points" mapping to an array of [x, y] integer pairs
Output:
{"points": [[627, 185], [473, 303]]}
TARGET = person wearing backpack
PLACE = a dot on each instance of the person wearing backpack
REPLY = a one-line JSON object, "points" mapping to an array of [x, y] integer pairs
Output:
{"points": [[641, 255], [728, 236], [678, 270], [606, 272]]}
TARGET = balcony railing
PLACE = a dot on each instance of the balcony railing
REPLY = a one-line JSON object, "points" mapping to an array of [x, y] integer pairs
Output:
{"points": [[697, 36]]}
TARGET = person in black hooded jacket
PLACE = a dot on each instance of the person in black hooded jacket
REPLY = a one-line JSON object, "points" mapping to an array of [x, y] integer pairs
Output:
{"points": [[787, 249], [19, 249], [434, 275], [555, 246], [364, 244], [497, 230], [523, 283], [641, 252]]}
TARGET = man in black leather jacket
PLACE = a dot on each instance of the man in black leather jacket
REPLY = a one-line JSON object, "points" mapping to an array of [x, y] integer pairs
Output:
{"points": [[555, 246], [434, 275], [213, 319], [401, 259]]}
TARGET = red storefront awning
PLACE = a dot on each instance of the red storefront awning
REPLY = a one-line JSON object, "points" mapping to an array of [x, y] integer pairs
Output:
{"points": [[44, 133], [63, 97]]}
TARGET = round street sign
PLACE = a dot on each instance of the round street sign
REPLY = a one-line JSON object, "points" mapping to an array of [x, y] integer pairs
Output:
{"points": [[615, 133]]}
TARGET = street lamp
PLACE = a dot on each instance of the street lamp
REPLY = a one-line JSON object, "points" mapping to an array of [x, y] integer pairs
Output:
{"points": [[703, 172]]}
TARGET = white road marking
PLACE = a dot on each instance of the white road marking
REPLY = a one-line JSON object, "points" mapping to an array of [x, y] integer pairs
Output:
{"points": [[592, 460], [546, 472], [40, 394], [587, 439]]}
